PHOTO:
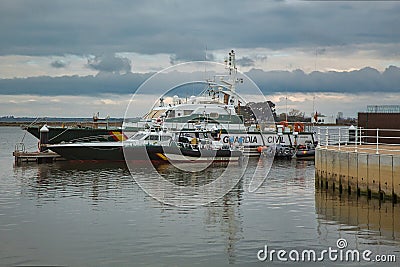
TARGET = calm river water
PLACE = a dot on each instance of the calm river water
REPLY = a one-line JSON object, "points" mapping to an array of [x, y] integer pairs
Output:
{"points": [[81, 214]]}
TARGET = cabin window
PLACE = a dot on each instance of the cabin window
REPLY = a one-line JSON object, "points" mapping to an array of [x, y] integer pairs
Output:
{"points": [[214, 115], [187, 112], [153, 137], [171, 114]]}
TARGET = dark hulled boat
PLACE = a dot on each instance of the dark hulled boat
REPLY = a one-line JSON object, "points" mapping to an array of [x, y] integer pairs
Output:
{"points": [[180, 154], [78, 134], [108, 151], [144, 145], [306, 152], [154, 145], [200, 146]]}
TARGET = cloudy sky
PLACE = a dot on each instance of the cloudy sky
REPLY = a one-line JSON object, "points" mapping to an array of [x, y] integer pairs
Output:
{"points": [[74, 58]]}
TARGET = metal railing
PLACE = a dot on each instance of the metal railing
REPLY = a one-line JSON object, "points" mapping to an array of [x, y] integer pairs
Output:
{"points": [[359, 139]]}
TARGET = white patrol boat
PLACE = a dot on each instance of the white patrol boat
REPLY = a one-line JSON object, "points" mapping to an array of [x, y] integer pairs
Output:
{"points": [[221, 110]]}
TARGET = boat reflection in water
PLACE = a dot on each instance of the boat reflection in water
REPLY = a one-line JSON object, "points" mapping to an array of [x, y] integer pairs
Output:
{"points": [[99, 209], [371, 218], [113, 193]]}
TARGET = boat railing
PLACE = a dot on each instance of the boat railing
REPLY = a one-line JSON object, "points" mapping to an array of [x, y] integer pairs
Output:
{"points": [[20, 147], [358, 139], [290, 127], [101, 124], [228, 126], [225, 125]]}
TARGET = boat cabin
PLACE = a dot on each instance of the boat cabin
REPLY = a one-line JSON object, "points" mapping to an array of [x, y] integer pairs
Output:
{"points": [[150, 138]]}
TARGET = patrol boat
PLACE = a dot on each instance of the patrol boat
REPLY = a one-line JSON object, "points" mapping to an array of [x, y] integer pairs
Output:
{"points": [[144, 145], [201, 146], [221, 110], [218, 108]]}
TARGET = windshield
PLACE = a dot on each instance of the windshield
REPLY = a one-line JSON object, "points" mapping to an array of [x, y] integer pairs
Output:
{"points": [[152, 137], [165, 138], [138, 136]]}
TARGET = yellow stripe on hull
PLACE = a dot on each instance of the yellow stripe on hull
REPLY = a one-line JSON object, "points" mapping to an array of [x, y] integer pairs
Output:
{"points": [[119, 136], [160, 155]]}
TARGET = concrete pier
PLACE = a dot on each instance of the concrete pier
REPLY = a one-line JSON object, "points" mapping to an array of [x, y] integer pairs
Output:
{"points": [[363, 172]]}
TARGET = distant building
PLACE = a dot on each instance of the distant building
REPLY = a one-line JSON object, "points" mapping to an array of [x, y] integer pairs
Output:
{"points": [[322, 119], [382, 117], [340, 115], [383, 109]]}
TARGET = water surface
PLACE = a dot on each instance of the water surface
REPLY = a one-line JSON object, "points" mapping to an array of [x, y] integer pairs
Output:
{"points": [[81, 214]]}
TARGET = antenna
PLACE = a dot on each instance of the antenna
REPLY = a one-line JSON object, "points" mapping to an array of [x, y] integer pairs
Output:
{"points": [[286, 106], [316, 56], [205, 63], [313, 108], [313, 104], [231, 64]]}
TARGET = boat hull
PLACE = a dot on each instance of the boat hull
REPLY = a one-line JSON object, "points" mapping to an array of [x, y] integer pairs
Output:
{"points": [[305, 154], [251, 140], [180, 154], [60, 134], [96, 152]]}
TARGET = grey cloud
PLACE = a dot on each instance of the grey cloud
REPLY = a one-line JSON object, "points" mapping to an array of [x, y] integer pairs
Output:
{"points": [[182, 28], [359, 81], [110, 63], [245, 62], [367, 80], [262, 58], [191, 55], [58, 64], [73, 85]]}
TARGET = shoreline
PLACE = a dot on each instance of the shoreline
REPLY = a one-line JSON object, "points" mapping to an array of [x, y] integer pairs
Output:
{"points": [[61, 123]]}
